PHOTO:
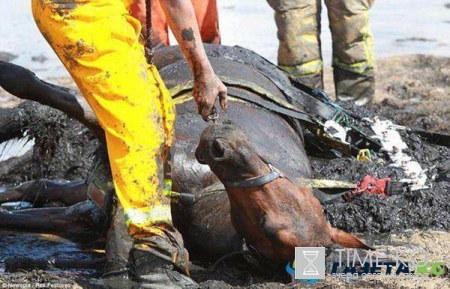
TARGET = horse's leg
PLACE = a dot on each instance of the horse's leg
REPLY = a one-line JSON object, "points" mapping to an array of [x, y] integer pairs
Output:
{"points": [[14, 121], [83, 222], [24, 84], [45, 191]]}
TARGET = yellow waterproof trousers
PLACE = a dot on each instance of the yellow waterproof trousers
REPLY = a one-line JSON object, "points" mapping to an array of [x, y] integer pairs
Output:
{"points": [[98, 42]]}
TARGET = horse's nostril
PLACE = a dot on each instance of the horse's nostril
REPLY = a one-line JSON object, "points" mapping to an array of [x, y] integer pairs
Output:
{"points": [[218, 149], [199, 157]]}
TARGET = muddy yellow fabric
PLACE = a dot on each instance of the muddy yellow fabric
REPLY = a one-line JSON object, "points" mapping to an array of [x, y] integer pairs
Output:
{"points": [[298, 23], [298, 33], [99, 43], [351, 34]]}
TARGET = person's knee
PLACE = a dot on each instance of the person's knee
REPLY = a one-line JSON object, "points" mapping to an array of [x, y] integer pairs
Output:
{"points": [[352, 42], [283, 6], [354, 54], [348, 7]]}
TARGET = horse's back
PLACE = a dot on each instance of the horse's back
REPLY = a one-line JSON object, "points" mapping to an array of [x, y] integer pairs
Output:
{"points": [[271, 135], [206, 226]]}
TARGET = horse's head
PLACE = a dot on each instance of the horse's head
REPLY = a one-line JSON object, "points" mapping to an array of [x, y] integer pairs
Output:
{"points": [[227, 152], [272, 213]]}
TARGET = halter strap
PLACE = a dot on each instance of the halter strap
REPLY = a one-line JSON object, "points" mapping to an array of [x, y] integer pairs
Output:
{"points": [[256, 181]]}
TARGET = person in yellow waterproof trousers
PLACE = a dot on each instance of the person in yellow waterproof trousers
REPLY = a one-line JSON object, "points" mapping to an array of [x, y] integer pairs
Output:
{"points": [[99, 44], [298, 23]]}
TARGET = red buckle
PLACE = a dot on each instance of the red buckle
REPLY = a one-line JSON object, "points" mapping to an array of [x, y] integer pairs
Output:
{"points": [[371, 186]]}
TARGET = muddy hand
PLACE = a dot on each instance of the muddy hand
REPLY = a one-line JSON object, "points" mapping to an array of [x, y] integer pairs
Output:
{"points": [[207, 88]]}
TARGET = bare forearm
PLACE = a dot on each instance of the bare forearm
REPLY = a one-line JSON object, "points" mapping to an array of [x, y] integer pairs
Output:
{"points": [[207, 86], [181, 18]]}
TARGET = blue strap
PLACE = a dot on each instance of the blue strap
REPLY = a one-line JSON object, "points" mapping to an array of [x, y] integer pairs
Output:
{"points": [[325, 98]]}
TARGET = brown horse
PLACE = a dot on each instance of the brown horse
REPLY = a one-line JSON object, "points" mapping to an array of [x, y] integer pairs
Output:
{"points": [[206, 225]]}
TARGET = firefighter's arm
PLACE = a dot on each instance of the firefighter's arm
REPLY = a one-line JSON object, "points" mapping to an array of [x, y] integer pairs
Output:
{"points": [[207, 86]]}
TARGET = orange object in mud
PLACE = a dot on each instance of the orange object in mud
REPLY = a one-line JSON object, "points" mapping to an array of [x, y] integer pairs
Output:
{"points": [[205, 11], [99, 44], [370, 186]]}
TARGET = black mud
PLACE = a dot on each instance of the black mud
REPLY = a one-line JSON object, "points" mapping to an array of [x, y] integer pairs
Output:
{"points": [[63, 147], [426, 209]]}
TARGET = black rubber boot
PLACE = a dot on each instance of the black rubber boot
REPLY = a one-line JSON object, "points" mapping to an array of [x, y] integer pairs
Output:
{"points": [[154, 272], [119, 281], [313, 80], [116, 273], [144, 263], [151, 262], [351, 86], [156, 262]]}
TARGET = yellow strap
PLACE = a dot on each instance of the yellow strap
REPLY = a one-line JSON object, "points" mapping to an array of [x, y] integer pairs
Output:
{"points": [[167, 187], [324, 184], [179, 97]]}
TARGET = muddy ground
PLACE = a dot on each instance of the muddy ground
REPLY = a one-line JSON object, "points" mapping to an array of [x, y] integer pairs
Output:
{"points": [[411, 90]]}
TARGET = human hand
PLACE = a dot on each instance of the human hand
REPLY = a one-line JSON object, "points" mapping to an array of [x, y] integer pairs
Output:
{"points": [[207, 87]]}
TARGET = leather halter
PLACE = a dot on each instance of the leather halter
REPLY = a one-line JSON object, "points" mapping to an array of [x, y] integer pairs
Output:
{"points": [[256, 181]]}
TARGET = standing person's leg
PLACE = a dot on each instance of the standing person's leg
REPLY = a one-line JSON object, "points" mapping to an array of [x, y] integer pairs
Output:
{"points": [[353, 55], [207, 16], [98, 42], [205, 11], [159, 22], [298, 23]]}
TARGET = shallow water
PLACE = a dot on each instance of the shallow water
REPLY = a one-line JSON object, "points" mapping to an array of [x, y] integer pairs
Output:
{"points": [[43, 247], [399, 27]]}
